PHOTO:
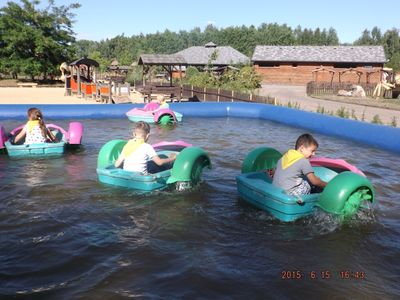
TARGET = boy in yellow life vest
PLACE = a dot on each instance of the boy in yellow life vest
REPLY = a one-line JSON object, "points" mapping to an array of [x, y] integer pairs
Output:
{"points": [[137, 153], [294, 172]]}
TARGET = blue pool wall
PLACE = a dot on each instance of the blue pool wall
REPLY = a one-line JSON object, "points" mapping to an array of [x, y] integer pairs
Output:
{"points": [[380, 136]]}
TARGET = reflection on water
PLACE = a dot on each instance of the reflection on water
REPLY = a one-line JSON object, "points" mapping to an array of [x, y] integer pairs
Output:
{"points": [[64, 235]]}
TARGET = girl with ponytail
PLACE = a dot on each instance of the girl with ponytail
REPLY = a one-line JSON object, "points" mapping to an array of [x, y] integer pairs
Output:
{"points": [[35, 130]]}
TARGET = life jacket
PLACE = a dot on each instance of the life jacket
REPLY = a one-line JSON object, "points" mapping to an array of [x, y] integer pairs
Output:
{"points": [[31, 124], [131, 147], [290, 157]]}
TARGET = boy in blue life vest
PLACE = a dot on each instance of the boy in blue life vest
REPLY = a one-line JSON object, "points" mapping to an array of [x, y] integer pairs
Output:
{"points": [[294, 172], [137, 153]]}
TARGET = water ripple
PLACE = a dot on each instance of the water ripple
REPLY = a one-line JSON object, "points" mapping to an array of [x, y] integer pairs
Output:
{"points": [[64, 235]]}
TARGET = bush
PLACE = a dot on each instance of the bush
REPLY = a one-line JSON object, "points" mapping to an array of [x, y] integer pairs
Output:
{"points": [[244, 80], [342, 112], [376, 120]]}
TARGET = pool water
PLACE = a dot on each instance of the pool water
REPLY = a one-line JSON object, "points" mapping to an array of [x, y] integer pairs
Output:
{"points": [[64, 235]]}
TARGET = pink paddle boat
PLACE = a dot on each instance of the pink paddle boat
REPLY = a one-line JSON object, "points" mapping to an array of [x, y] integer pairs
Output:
{"points": [[153, 113]]}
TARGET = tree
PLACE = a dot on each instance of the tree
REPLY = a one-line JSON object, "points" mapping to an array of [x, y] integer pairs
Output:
{"points": [[376, 36], [365, 38], [34, 41], [332, 38], [391, 40]]}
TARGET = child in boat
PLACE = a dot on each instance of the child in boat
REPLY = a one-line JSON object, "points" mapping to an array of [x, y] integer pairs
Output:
{"points": [[137, 153], [163, 102], [35, 130], [294, 172]]}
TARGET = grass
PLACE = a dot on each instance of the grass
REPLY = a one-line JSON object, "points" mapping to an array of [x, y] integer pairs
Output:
{"points": [[294, 105], [376, 120], [342, 112], [393, 123]]}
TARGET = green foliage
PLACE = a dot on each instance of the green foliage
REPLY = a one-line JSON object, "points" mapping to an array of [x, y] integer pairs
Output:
{"points": [[244, 80], [242, 38], [192, 72], [376, 120], [353, 115], [342, 112], [394, 61], [34, 41], [293, 105], [390, 41], [393, 123], [363, 115], [320, 109]]}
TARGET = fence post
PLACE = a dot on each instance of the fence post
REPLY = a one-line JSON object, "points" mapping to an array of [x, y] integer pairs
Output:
{"points": [[233, 93], [192, 92], [218, 94], [110, 93], [275, 101], [204, 94], [251, 97]]}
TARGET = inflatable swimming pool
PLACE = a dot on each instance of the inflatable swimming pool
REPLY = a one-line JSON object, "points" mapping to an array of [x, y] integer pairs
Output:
{"points": [[65, 138], [347, 187], [185, 172], [152, 113]]}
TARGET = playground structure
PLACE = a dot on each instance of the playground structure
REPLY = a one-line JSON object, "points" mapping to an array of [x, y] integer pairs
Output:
{"points": [[80, 79], [389, 84], [376, 83]]}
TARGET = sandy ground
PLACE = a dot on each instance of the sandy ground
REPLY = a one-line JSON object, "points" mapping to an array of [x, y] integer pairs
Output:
{"points": [[48, 95], [39, 96], [297, 95]]}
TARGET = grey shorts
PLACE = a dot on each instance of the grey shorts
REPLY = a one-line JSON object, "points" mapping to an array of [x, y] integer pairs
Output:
{"points": [[303, 188]]}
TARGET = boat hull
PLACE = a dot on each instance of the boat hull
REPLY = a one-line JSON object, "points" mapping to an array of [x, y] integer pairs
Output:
{"points": [[257, 189], [35, 150], [150, 117], [133, 180]]}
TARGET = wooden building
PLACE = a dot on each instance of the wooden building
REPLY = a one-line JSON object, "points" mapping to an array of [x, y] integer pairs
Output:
{"points": [[302, 64], [220, 57], [171, 63]]}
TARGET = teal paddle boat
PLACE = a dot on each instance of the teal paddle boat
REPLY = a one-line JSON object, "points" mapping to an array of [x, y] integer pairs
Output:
{"points": [[184, 173], [65, 139], [347, 188]]}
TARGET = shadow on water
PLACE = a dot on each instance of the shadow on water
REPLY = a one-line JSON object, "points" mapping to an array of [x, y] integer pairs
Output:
{"points": [[64, 235]]}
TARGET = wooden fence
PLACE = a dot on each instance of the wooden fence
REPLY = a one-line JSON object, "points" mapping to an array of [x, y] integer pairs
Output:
{"points": [[327, 88], [202, 94]]}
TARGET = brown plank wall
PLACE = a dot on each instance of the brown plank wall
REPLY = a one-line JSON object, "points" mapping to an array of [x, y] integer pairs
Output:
{"points": [[288, 73]]}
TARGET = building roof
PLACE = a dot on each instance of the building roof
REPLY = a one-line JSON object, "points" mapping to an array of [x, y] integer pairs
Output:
{"points": [[200, 55], [345, 54], [85, 61], [161, 59]]}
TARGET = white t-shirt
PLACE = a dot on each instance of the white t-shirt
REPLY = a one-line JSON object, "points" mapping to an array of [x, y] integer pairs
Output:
{"points": [[137, 161], [35, 136]]}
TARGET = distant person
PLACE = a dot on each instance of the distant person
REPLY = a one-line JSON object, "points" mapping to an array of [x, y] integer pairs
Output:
{"points": [[35, 131], [294, 172], [137, 153], [163, 102]]}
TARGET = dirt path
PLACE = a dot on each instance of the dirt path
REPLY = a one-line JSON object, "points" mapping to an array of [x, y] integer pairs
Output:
{"points": [[297, 95]]}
